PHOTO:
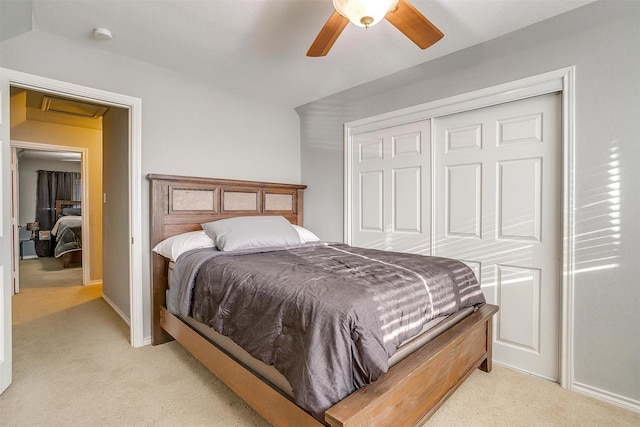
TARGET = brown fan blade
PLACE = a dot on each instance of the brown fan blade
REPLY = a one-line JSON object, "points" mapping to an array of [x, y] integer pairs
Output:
{"points": [[328, 35], [414, 25]]}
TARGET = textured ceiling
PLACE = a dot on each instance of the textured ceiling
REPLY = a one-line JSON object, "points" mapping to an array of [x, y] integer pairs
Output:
{"points": [[258, 47]]}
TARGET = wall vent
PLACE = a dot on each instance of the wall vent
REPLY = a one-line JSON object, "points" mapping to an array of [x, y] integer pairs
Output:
{"points": [[74, 108]]}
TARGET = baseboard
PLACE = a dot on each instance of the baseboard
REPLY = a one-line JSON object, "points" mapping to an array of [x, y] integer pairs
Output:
{"points": [[522, 371], [606, 396], [593, 392], [95, 282], [29, 257], [117, 310]]}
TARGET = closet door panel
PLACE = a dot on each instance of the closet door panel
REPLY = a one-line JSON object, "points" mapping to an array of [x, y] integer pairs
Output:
{"points": [[391, 188]]}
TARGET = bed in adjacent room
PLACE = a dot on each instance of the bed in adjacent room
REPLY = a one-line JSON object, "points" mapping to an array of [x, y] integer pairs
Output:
{"points": [[308, 332], [67, 232]]}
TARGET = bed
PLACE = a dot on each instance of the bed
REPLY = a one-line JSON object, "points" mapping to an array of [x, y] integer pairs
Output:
{"points": [[407, 394], [67, 232]]}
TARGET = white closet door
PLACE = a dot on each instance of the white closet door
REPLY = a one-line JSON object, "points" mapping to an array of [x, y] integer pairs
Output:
{"points": [[497, 207], [391, 188]]}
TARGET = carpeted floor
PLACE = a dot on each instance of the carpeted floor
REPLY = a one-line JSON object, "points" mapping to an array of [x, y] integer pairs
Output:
{"points": [[47, 272], [73, 366]]}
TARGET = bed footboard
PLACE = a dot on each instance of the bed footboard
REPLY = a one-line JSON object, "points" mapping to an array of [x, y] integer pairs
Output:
{"points": [[414, 389], [408, 394]]}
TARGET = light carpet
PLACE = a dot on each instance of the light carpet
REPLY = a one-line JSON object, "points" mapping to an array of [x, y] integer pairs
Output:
{"points": [[47, 272], [73, 366]]}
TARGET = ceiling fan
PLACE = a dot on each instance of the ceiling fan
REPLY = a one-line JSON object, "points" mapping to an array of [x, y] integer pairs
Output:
{"points": [[365, 13]]}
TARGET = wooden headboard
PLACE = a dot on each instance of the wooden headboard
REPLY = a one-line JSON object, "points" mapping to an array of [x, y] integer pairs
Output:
{"points": [[66, 204], [180, 204]]}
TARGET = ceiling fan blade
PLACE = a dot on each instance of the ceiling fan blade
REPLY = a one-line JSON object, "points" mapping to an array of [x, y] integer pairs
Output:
{"points": [[414, 25], [328, 35]]}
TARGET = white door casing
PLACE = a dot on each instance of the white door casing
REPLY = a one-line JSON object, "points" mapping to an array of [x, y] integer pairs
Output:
{"points": [[498, 175], [134, 105], [15, 236], [6, 249], [391, 192]]}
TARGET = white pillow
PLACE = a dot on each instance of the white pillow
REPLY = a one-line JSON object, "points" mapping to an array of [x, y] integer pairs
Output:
{"points": [[246, 232], [173, 247], [305, 234]]}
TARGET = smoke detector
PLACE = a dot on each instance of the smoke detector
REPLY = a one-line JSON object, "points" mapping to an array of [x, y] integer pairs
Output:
{"points": [[102, 34]]}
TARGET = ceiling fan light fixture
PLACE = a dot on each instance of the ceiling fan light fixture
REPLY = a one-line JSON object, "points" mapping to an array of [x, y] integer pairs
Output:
{"points": [[364, 13]]}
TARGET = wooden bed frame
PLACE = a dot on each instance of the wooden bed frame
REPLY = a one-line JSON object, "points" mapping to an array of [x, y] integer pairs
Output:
{"points": [[75, 256], [408, 394], [65, 204]]}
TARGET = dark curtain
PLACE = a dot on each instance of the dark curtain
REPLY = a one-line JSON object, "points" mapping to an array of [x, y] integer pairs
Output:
{"points": [[53, 186]]}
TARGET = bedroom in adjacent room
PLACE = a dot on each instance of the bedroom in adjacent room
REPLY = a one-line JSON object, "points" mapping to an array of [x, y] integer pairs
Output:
{"points": [[50, 218]]}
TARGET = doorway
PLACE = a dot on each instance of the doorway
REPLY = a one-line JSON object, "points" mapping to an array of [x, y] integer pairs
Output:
{"points": [[48, 124], [56, 122], [134, 283], [44, 258]]}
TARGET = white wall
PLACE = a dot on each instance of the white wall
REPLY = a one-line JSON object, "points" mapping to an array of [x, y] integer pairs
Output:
{"points": [[187, 128], [601, 40]]}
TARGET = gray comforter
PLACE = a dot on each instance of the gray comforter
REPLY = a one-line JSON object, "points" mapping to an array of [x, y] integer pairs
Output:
{"points": [[327, 316], [68, 235]]}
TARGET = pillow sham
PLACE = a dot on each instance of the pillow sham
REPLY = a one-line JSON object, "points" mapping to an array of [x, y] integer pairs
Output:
{"points": [[174, 246], [248, 232], [306, 235]]}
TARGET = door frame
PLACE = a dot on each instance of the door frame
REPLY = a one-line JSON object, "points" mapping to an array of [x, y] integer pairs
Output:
{"points": [[84, 168], [134, 106], [562, 81]]}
